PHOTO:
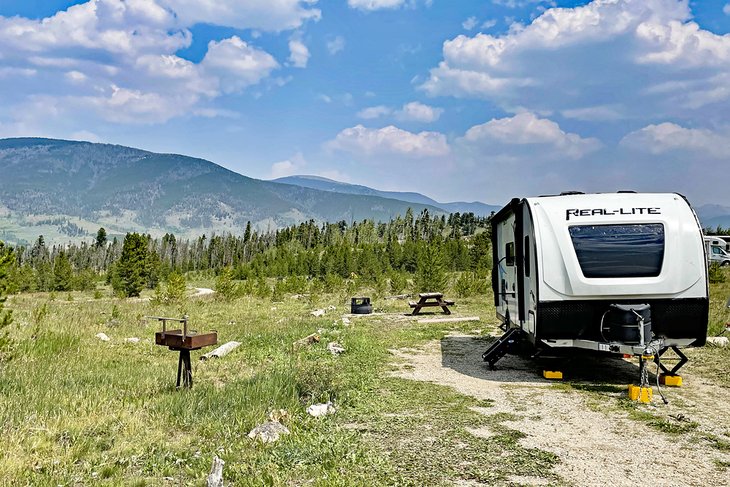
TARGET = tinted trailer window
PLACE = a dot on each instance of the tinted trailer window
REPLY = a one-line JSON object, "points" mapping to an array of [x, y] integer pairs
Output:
{"points": [[619, 250]]}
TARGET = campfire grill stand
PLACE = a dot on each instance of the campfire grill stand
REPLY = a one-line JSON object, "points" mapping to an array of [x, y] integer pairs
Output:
{"points": [[183, 341]]}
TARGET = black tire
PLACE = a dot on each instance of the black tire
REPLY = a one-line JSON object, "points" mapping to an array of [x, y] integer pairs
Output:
{"points": [[725, 264]]}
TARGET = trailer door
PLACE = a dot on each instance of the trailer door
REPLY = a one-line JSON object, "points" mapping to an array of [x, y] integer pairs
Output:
{"points": [[506, 269], [528, 288]]}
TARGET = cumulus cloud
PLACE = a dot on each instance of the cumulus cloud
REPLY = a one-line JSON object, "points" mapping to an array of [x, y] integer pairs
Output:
{"points": [[629, 58], [671, 138], [336, 45], [418, 112], [289, 167], [269, 15], [389, 141], [116, 59], [470, 23], [543, 137], [726, 9], [375, 4], [299, 54], [371, 113]]}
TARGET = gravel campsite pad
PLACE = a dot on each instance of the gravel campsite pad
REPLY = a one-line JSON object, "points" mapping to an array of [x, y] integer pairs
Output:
{"points": [[599, 437]]}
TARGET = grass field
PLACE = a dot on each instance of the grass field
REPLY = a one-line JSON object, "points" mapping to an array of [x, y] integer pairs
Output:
{"points": [[75, 410]]}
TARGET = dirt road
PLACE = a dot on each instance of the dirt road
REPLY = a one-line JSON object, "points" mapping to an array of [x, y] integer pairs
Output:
{"points": [[597, 440]]}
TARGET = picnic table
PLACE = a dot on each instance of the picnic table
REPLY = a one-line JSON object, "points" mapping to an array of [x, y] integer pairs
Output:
{"points": [[431, 299]]}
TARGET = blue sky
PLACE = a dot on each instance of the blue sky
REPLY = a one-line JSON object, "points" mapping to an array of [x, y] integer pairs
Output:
{"points": [[458, 99]]}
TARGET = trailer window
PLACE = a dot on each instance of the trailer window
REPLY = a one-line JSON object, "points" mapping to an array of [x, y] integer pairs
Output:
{"points": [[510, 253], [619, 250]]}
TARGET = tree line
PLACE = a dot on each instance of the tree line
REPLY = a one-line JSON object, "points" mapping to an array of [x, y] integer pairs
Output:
{"points": [[418, 245]]}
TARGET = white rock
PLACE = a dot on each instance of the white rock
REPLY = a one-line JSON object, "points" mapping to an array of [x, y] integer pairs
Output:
{"points": [[718, 341], [215, 479], [268, 432], [132, 340], [335, 348], [318, 410], [345, 320], [331, 307], [103, 337], [318, 312]]}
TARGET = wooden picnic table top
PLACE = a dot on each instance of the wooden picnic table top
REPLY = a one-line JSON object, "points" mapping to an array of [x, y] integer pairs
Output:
{"points": [[430, 295]]}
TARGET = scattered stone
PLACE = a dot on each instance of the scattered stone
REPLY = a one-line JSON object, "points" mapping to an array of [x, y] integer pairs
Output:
{"points": [[221, 351], [307, 340], [132, 340], [268, 432], [318, 410], [318, 312], [331, 307], [103, 337], [345, 320], [718, 341], [215, 479], [335, 348]]}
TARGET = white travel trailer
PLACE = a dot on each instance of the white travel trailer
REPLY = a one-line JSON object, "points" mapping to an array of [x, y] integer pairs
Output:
{"points": [[620, 272]]}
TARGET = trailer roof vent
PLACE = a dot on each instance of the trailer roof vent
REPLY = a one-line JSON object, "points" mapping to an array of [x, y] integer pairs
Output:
{"points": [[568, 193]]}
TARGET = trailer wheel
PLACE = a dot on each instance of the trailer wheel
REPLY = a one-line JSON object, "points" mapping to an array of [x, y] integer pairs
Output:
{"points": [[725, 264]]}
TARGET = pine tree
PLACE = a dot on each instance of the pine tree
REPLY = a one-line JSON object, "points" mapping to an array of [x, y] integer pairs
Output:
{"points": [[100, 238], [62, 273], [430, 273], [131, 270]]}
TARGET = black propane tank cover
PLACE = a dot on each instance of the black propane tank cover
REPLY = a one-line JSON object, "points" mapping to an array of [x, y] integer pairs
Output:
{"points": [[361, 306], [622, 322]]}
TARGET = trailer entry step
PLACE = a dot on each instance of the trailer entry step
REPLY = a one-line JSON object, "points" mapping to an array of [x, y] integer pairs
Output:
{"points": [[504, 344]]}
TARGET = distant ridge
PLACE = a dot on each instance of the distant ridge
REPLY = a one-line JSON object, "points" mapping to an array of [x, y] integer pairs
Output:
{"points": [[66, 189], [325, 184]]}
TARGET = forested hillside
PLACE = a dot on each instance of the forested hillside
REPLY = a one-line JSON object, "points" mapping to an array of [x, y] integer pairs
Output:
{"points": [[324, 256]]}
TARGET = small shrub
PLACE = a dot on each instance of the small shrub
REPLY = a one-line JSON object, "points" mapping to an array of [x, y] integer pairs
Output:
{"points": [[225, 288], [716, 273]]}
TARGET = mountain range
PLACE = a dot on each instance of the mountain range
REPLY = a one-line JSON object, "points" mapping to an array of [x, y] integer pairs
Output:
{"points": [[66, 190]]}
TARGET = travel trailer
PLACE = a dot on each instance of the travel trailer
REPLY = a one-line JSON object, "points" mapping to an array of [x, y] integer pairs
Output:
{"points": [[717, 249], [622, 273]]}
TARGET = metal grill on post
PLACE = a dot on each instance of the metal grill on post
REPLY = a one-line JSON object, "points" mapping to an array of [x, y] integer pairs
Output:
{"points": [[183, 341]]}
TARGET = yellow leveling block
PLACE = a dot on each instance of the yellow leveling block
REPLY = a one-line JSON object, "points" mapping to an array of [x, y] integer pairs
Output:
{"points": [[552, 374], [670, 380], [641, 394]]}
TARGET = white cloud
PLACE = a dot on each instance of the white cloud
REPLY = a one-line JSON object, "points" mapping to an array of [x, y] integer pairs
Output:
{"points": [[726, 9], [237, 64], [543, 136], [521, 3], [299, 54], [288, 167], [418, 112], [669, 137], [615, 54], [375, 4], [389, 141], [85, 136], [115, 60], [269, 15], [470, 23], [488, 24], [371, 113], [593, 113], [336, 45]]}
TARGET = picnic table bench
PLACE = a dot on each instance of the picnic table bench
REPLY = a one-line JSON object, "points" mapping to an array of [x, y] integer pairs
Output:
{"points": [[431, 299]]}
